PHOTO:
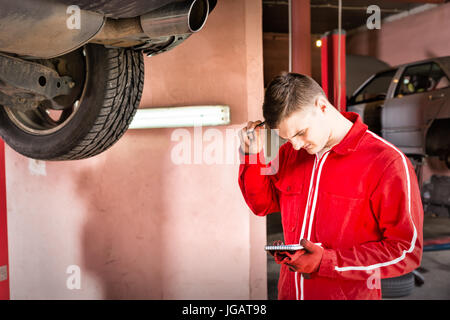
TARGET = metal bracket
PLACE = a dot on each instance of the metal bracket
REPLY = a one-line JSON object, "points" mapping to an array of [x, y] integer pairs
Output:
{"points": [[24, 84]]}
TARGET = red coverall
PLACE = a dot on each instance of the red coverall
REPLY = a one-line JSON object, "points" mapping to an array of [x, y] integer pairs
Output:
{"points": [[360, 200]]}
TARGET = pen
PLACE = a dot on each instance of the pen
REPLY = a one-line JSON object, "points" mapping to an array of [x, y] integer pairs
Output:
{"points": [[250, 134]]}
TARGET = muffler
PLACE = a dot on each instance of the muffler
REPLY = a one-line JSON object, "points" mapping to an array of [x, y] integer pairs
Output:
{"points": [[40, 29], [176, 18]]}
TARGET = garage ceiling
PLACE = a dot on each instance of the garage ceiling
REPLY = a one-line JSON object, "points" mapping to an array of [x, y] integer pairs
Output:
{"points": [[324, 13]]}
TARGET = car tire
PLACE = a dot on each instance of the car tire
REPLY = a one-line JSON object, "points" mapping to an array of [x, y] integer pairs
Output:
{"points": [[417, 162], [397, 287], [110, 96]]}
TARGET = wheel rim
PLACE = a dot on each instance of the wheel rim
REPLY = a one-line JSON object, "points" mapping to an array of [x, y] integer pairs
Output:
{"points": [[44, 119]]}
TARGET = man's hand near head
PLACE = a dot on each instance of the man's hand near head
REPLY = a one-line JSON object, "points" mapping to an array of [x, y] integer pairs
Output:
{"points": [[251, 138]]}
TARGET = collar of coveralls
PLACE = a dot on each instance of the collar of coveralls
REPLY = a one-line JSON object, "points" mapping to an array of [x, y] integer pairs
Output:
{"points": [[353, 137]]}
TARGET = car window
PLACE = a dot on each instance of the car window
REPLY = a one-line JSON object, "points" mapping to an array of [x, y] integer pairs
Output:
{"points": [[375, 89], [439, 78], [421, 78]]}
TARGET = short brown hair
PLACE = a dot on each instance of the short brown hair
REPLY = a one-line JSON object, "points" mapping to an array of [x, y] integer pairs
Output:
{"points": [[288, 93]]}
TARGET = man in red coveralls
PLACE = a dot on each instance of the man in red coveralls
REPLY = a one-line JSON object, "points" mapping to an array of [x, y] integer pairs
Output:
{"points": [[348, 196]]}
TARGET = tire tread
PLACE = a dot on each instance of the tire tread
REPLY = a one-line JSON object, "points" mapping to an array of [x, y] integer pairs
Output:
{"points": [[124, 90]]}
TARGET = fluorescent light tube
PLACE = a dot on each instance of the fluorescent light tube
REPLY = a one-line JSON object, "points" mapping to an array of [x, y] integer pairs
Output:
{"points": [[181, 117]]}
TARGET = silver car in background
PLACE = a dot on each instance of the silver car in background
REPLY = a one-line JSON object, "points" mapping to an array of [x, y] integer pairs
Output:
{"points": [[409, 105]]}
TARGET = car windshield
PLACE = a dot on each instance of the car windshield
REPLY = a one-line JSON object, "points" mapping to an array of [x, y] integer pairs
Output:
{"points": [[421, 78], [375, 89]]}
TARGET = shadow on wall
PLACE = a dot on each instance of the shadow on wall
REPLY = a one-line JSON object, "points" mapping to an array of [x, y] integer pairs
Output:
{"points": [[121, 240]]}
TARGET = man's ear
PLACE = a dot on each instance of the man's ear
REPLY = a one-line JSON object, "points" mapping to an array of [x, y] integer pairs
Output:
{"points": [[321, 103]]}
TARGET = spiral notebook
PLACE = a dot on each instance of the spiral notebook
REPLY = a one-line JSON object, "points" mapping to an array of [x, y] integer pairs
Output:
{"points": [[284, 247]]}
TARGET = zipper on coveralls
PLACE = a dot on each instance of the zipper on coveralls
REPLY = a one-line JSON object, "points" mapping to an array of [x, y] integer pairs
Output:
{"points": [[309, 212]]}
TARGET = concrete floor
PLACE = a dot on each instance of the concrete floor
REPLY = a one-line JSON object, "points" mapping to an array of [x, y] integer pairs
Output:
{"points": [[435, 266]]}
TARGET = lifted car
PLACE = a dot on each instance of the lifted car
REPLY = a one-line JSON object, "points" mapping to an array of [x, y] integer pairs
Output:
{"points": [[409, 105], [72, 71]]}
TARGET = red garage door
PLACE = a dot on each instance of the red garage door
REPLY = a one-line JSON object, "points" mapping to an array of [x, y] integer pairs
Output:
{"points": [[4, 270]]}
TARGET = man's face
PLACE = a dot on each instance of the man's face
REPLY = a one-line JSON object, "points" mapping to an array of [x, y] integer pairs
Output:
{"points": [[308, 129]]}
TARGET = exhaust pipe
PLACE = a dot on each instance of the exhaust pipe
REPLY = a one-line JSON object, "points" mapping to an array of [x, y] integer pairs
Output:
{"points": [[176, 18], [159, 30]]}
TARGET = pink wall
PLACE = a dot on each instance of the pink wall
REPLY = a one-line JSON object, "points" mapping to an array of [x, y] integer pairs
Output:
{"points": [[138, 225], [416, 37]]}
